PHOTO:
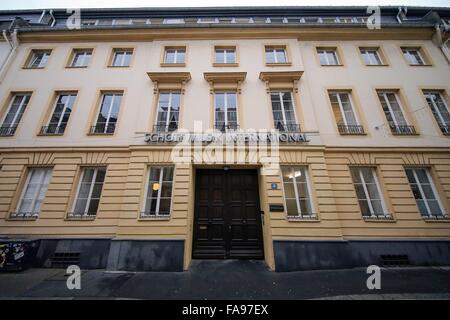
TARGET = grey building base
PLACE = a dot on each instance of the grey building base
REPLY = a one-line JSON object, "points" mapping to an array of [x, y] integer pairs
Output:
{"points": [[146, 255], [310, 255]]}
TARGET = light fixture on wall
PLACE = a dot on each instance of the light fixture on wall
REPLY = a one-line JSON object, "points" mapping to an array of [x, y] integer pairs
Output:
{"points": [[226, 168]]}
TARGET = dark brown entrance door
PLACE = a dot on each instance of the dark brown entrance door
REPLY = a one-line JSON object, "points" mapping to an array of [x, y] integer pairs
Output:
{"points": [[227, 218]]}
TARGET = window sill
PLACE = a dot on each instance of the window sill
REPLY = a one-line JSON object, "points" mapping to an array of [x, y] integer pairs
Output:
{"points": [[352, 134], [225, 65], [421, 65], [331, 65], [33, 68], [100, 134], [50, 134], [376, 65], [80, 67], [282, 64], [311, 218], [118, 67], [173, 65]]}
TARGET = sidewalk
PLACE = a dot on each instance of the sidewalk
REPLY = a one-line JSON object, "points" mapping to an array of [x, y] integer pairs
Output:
{"points": [[230, 280]]}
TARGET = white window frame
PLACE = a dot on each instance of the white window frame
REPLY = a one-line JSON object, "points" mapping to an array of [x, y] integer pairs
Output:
{"points": [[84, 53], [373, 214], [33, 56], [91, 189], [366, 52], [45, 170], [64, 109], [20, 109], [114, 22], [300, 214], [422, 194], [386, 100], [110, 107], [125, 52], [157, 215], [173, 21], [341, 108], [428, 94], [169, 109], [410, 58], [273, 50], [225, 52], [208, 20], [175, 57], [325, 52], [283, 111], [226, 93]]}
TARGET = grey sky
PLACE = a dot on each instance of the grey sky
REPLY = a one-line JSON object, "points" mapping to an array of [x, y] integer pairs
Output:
{"points": [[40, 4]]}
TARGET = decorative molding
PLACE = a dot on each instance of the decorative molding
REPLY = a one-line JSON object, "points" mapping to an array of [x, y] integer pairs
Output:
{"points": [[225, 80], [281, 79], [169, 80]]}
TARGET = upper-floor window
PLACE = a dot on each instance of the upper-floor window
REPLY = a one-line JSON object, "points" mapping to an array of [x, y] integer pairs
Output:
{"points": [[371, 56], [158, 192], [61, 113], [424, 192], [394, 113], [173, 21], [297, 192], [414, 56], [208, 20], [276, 54], [89, 22], [344, 113], [283, 111], [225, 105], [117, 22], [328, 56], [368, 192], [108, 113], [439, 108], [89, 192], [81, 58], [38, 59], [168, 111], [121, 57], [174, 55], [225, 55], [33, 193], [15, 111]]}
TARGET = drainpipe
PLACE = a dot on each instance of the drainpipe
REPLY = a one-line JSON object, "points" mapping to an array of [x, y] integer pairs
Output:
{"points": [[14, 44]]}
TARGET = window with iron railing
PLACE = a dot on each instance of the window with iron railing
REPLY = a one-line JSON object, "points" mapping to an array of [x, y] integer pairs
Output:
{"points": [[394, 113], [60, 116], [225, 111], [439, 108], [168, 111], [283, 111], [344, 113], [14, 114], [108, 114]]}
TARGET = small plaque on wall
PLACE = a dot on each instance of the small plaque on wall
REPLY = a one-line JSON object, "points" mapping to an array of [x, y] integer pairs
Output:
{"points": [[276, 207]]}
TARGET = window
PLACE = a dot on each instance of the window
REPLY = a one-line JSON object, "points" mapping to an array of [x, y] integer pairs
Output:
{"points": [[225, 106], [89, 23], [283, 111], [174, 55], [81, 58], [33, 193], [117, 22], [394, 113], [424, 192], [61, 114], [368, 192], [89, 192], [328, 56], [108, 114], [297, 192], [168, 111], [38, 59], [173, 21], [439, 108], [413, 56], [12, 118], [121, 57], [208, 20], [344, 113], [371, 56], [276, 55], [158, 192], [225, 55]]}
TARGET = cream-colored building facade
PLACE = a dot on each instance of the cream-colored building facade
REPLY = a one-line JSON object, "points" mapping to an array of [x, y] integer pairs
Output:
{"points": [[359, 96]]}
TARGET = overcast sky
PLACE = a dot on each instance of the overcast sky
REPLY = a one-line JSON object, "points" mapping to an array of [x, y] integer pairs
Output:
{"points": [[40, 4]]}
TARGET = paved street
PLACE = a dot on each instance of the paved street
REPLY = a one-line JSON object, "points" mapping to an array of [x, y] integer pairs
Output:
{"points": [[230, 280]]}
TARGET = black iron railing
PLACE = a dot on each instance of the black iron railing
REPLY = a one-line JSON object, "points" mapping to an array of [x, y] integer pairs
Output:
{"points": [[379, 216], [445, 129], [81, 215], [165, 127], [287, 127], [226, 127], [7, 131], [53, 130], [102, 128], [350, 129], [24, 215], [402, 130]]}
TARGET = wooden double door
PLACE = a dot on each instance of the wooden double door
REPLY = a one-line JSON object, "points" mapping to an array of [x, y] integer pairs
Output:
{"points": [[227, 218]]}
